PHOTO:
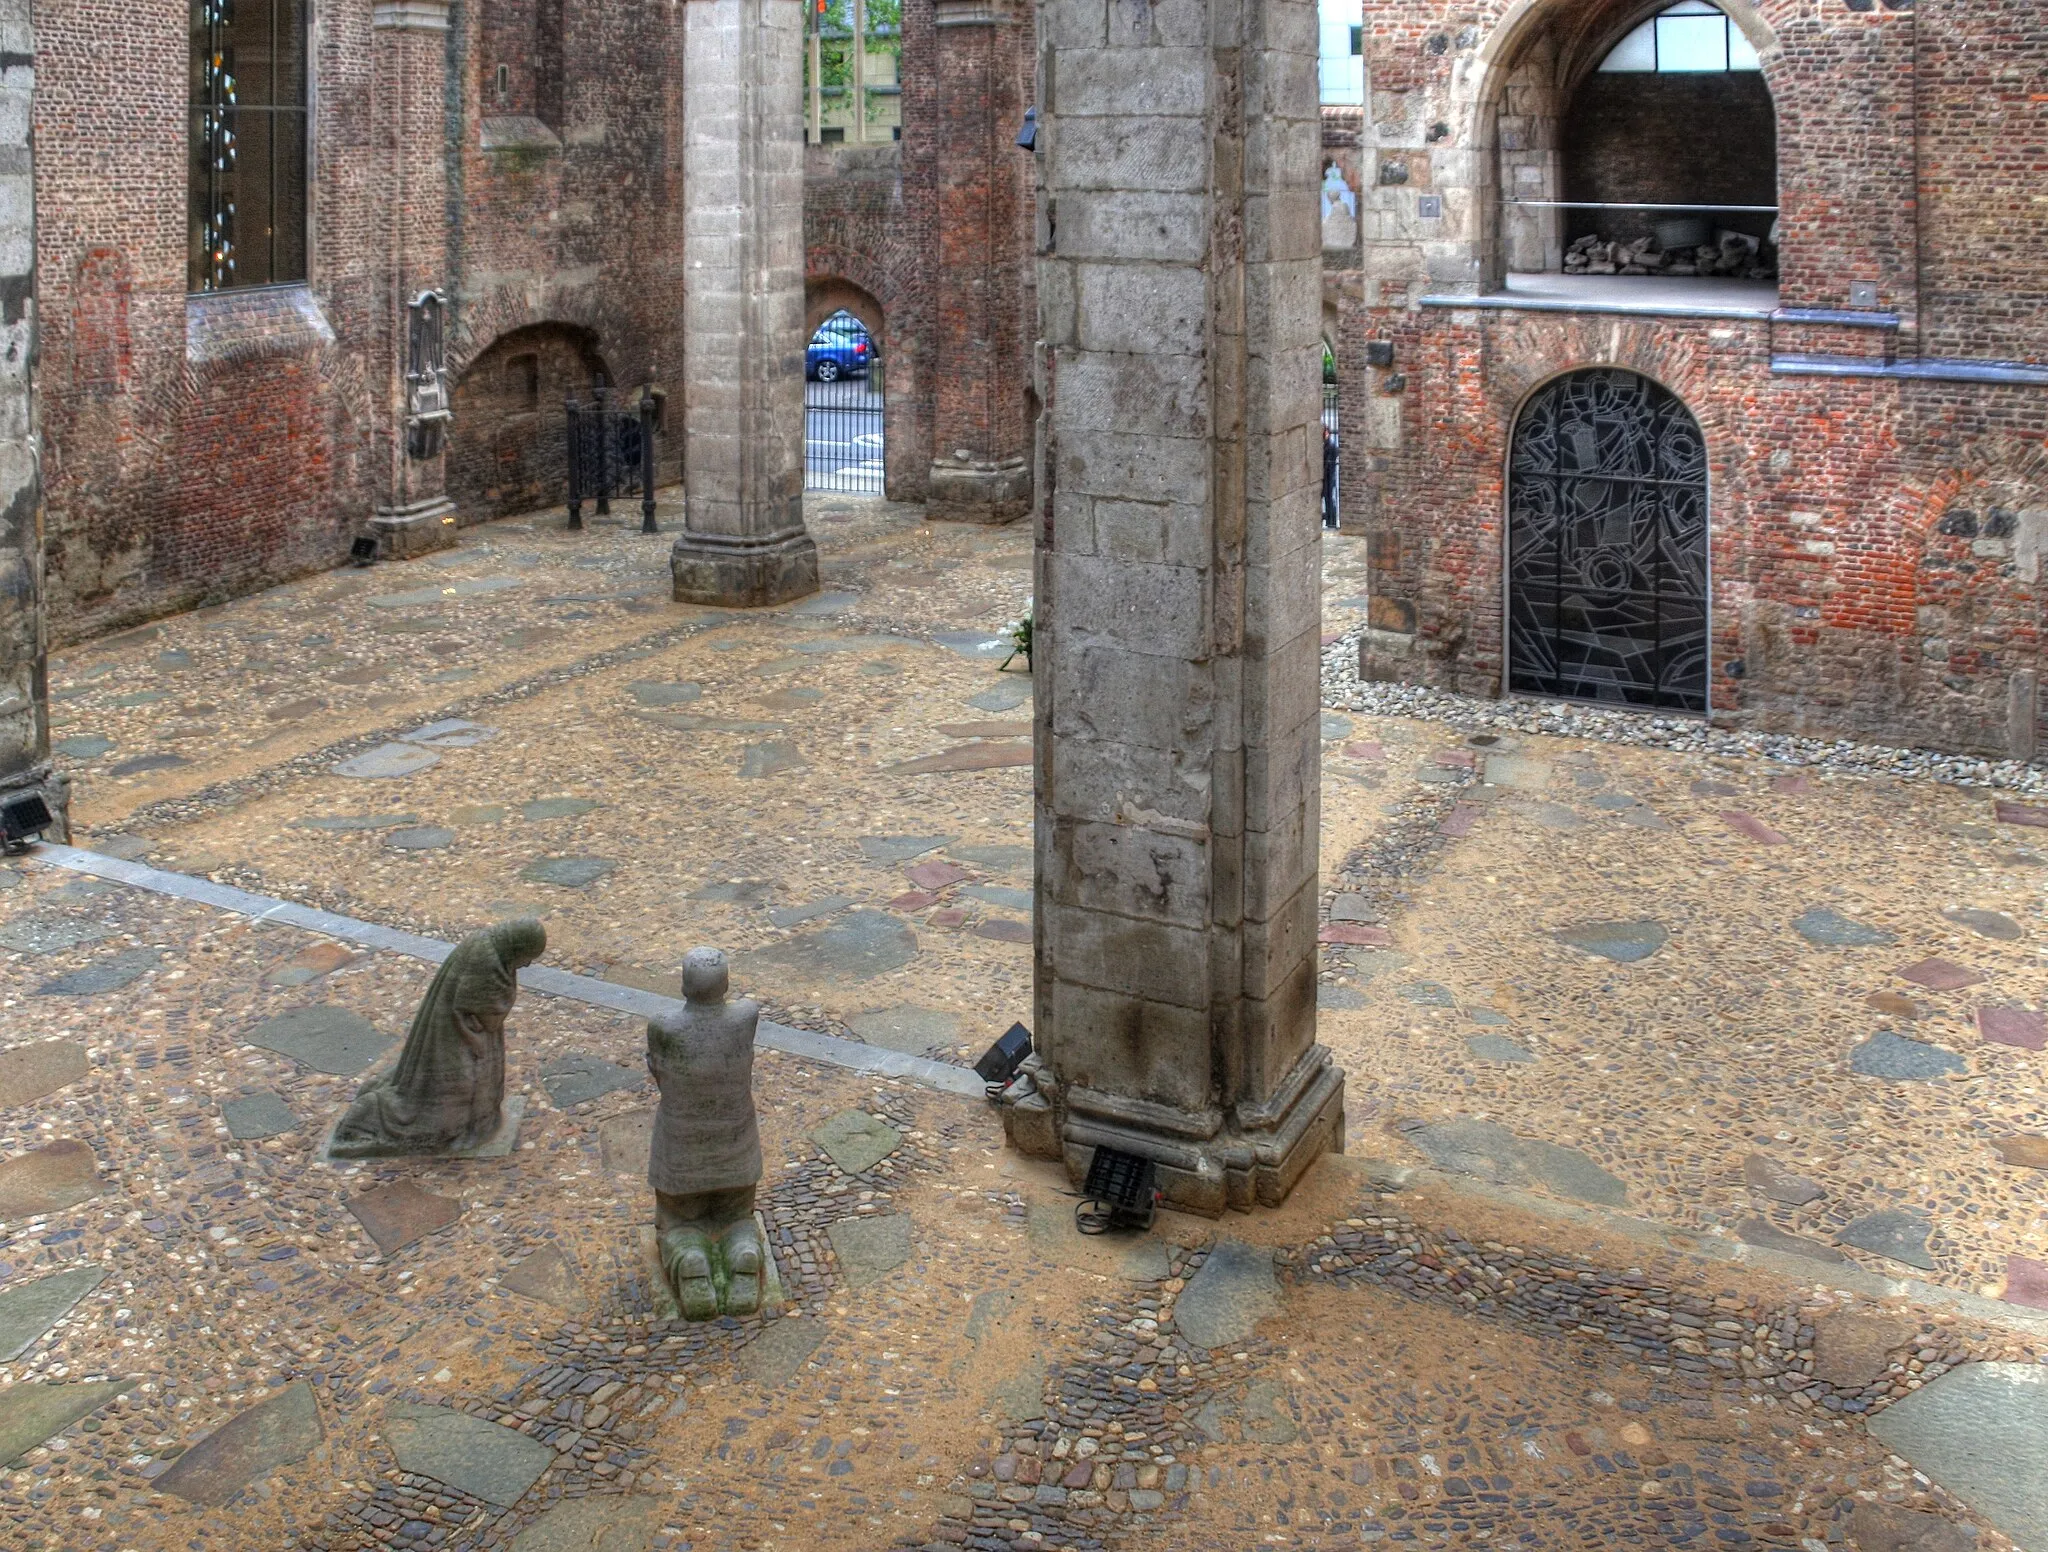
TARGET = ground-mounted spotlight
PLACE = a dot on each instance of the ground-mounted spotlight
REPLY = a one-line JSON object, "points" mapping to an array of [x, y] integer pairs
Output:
{"points": [[999, 1063], [23, 818], [1121, 1192], [364, 551]]}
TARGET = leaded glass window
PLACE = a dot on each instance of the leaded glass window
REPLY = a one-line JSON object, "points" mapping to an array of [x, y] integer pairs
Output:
{"points": [[249, 153]]}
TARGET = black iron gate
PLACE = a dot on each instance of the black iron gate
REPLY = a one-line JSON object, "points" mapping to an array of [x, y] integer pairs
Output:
{"points": [[611, 450], [1607, 544], [843, 408]]}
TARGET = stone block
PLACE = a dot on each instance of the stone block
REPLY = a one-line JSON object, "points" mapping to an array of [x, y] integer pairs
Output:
{"points": [[1138, 959], [1154, 1051], [1146, 611], [1152, 156], [1141, 309]]}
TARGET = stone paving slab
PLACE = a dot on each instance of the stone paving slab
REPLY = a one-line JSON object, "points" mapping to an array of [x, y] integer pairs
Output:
{"points": [[609, 1522], [546, 1275], [28, 1310], [857, 1141], [1982, 1432], [324, 1037], [48, 1179], [248, 1447], [29, 1072], [252, 1117], [401, 1214], [869, 1249], [484, 1460], [1234, 1290], [31, 1413]]}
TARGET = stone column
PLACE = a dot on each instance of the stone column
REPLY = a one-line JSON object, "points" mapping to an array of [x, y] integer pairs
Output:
{"points": [[24, 657], [743, 539], [1178, 596], [409, 64], [981, 469]]}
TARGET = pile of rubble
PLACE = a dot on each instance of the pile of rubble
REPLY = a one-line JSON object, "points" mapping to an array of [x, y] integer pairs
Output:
{"points": [[1734, 254]]}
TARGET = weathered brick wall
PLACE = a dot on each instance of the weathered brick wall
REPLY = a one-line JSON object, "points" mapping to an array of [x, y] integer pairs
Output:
{"points": [[199, 448], [189, 452], [1876, 541], [1983, 149], [584, 236]]}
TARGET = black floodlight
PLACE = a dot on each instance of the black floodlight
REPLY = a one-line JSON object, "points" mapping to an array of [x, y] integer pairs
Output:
{"points": [[23, 818], [1027, 137], [1121, 1192], [999, 1063], [364, 551]]}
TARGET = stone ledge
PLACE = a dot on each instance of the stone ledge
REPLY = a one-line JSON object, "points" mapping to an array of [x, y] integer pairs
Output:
{"points": [[254, 322], [517, 132]]}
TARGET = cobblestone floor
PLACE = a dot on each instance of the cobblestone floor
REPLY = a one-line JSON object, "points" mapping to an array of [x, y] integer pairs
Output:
{"points": [[955, 1365], [1660, 983]]}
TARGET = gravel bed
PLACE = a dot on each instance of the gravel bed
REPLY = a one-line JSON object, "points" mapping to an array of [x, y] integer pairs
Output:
{"points": [[1343, 690]]}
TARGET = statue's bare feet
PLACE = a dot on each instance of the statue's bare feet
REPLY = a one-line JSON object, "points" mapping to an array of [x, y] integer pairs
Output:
{"points": [[743, 1247], [687, 1259]]}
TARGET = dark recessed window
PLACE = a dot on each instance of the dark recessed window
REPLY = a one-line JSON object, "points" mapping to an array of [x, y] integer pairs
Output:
{"points": [[249, 155], [522, 381]]}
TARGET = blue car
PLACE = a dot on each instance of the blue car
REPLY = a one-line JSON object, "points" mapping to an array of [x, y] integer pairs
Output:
{"points": [[840, 348]]}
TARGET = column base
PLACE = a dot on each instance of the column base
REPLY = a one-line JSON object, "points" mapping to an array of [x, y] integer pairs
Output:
{"points": [[414, 529], [978, 492], [1205, 1163], [743, 573]]}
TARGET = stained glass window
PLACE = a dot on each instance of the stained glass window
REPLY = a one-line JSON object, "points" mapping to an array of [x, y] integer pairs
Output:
{"points": [[249, 153]]}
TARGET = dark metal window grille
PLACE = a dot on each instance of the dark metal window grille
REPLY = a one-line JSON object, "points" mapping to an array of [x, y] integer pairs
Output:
{"points": [[843, 408], [247, 223], [1607, 544]]}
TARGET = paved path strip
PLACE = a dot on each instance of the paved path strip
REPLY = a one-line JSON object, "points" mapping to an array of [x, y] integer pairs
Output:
{"points": [[804, 1043]]}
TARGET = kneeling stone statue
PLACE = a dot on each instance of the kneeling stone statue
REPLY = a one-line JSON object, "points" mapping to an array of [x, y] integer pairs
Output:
{"points": [[705, 1162], [447, 1091]]}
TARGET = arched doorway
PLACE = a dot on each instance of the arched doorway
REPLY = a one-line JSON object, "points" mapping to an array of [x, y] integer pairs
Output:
{"points": [[508, 447], [1607, 544], [843, 422]]}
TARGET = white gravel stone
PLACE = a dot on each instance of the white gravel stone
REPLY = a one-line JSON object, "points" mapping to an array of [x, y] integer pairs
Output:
{"points": [[1344, 690]]}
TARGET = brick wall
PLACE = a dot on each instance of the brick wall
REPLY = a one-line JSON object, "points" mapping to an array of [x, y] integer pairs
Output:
{"points": [[1876, 541], [1676, 139]]}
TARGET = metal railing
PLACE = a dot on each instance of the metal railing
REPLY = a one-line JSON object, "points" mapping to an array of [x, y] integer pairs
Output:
{"points": [[843, 433], [611, 449]]}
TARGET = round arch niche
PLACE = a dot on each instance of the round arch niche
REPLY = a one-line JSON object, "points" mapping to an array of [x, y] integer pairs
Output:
{"points": [[1606, 575]]}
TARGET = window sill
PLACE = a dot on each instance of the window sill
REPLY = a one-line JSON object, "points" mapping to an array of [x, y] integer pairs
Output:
{"points": [[517, 132], [249, 323]]}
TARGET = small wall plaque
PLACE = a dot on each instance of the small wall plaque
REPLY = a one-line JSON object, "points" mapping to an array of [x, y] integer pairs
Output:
{"points": [[1430, 207], [1862, 293]]}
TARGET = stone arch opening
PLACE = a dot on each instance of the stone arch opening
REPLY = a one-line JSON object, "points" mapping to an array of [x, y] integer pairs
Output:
{"points": [[846, 368], [1606, 576], [1647, 127], [507, 446]]}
